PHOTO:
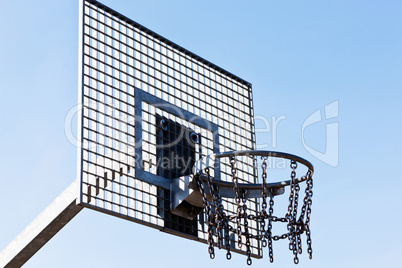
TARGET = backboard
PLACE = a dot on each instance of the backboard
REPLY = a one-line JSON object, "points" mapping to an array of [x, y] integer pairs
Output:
{"points": [[150, 110]]}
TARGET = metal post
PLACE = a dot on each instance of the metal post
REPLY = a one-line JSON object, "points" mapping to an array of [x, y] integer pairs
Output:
{"points": [[42, 229]]}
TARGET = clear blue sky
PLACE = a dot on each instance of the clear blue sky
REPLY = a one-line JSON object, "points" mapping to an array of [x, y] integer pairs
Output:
{"points": [[300, 56]]}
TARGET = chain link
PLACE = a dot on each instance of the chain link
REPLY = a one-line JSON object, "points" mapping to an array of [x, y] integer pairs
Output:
{"points": [[309, 193], [246, 230], [237, 200], [270, 220], [227, 240], [209, 215], [263, 212]]}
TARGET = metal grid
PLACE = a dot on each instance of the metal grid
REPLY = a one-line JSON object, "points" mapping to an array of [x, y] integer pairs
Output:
{"points": [[122, 60]]}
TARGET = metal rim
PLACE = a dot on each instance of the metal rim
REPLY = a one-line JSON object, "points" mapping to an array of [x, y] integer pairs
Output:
{"points": [[253, 186], [269, 154]]}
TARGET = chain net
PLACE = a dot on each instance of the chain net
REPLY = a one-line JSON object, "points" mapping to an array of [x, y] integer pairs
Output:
{"points": [[224, 225]]}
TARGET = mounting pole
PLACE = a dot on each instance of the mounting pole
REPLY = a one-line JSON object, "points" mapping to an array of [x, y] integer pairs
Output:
{"points": [[42, 229]]}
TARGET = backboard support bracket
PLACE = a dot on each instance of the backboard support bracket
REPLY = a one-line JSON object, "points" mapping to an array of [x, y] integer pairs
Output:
{"points": [[185, 202]]}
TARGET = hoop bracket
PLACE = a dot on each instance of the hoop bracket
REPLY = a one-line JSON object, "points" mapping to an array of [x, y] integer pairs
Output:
{"points": [[249, 190]]}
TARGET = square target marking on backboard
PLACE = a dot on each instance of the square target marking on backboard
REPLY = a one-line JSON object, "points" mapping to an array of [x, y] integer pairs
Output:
{"points": [[150, 110]]}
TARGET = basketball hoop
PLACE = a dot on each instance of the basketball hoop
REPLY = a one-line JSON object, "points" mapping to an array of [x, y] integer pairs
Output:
{"points": [[224, 224]]}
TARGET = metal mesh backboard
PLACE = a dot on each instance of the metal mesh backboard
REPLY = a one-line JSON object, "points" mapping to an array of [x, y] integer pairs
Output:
{"points": [[143, 97]]}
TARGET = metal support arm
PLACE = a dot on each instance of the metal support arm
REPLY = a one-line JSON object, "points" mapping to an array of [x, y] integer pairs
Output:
{"points": [[42, 229]]}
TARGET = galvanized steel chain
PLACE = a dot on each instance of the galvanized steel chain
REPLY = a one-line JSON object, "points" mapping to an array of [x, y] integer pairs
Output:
{"points": [[227, 240], [269, 232], [309, 194], [223, 224], [220, 216], [292, 212], [263, 212], [246, 229], [237, 200], [241, 213], [209, 217]]}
